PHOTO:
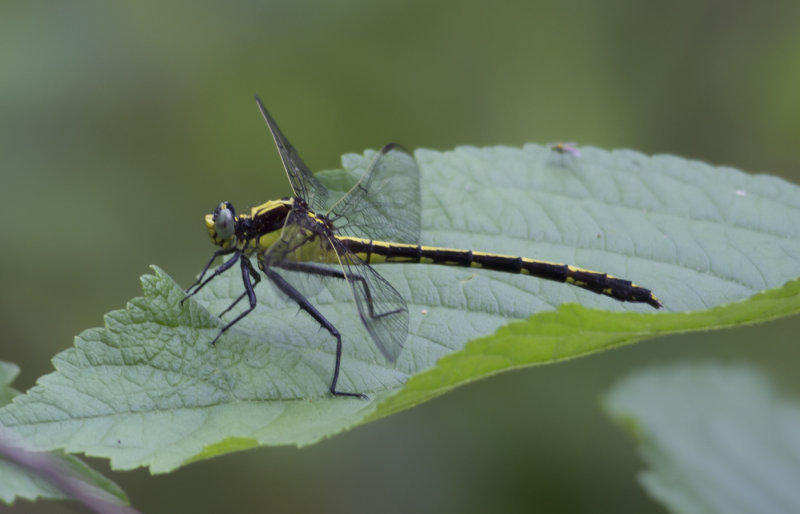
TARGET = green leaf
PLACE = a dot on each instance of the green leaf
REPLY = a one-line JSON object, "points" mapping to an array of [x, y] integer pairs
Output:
{"points": [[717, 439], [16, 482], [572, 331], [149, 390], [8, 372]]}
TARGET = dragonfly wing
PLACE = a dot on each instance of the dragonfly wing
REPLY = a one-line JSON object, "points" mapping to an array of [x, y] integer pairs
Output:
{"points": [[385, 203], [304, 184], [381, 307]]}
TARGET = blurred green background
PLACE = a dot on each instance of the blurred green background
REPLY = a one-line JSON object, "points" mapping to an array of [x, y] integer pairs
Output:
{"points": [[122, 124]]}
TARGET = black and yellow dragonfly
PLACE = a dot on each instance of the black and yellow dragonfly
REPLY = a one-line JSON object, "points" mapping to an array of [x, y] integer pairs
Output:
{"points": [[300, 241]]}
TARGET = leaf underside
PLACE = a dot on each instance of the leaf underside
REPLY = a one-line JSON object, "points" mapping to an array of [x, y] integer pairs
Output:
{"points": [[149, 390]]}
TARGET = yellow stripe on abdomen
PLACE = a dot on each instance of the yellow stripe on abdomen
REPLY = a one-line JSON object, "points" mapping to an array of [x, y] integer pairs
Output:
{"points": [[373, 252]]}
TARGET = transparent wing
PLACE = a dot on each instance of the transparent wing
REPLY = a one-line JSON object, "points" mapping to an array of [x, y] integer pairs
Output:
{"points": [[303, 182], [307, 257], [383, 311], [385, 203]]}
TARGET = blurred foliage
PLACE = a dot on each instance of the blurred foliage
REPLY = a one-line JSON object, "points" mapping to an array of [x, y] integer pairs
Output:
{"points": [[122, 124], [716, 439]]}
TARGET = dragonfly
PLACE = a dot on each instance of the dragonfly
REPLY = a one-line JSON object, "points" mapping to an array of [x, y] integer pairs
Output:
{"points": [[299, 242]]}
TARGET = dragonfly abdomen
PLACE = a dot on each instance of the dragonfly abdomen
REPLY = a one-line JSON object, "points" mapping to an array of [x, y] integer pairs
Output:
{"points": [[373, 252]]}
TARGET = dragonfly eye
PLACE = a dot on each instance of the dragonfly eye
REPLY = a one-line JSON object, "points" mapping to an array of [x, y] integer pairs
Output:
{"points": [[224, 221]]}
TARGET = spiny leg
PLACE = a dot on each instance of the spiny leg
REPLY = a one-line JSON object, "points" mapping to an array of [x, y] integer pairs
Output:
{"points": [[247, 271], [256, 280], [305, 305], [224, 251], [217, 272], [310, 267]]}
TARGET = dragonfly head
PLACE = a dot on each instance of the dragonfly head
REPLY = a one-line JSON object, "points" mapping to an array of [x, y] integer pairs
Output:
{"points": [[221, 225]]}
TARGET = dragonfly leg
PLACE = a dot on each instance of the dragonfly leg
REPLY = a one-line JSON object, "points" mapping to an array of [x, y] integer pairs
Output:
{"points": [[217, 272], [311, 267], [304, 304], [256, 280], [249, 291]]}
